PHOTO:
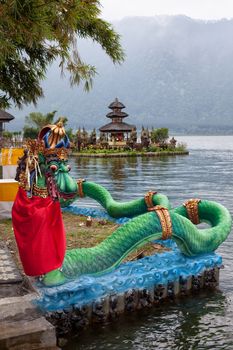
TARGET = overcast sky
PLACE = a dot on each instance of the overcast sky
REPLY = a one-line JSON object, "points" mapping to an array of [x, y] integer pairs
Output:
{"points": [[202, 9]]}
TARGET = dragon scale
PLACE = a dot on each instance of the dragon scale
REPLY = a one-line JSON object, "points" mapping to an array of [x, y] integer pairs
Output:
{"points": [[120, 209], [43, 173], [141, 229]]}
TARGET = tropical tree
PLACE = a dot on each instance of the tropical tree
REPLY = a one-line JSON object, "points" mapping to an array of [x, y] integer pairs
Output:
{"points": [[34, 33], [38, 120], [35, 121]]}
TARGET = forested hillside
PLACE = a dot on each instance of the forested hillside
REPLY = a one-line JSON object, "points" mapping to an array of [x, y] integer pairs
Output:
{"points": [[178, 73]]}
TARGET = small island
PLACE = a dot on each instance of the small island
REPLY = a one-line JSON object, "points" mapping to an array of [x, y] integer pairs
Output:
{"points": [[114, 139], [119, 139]]}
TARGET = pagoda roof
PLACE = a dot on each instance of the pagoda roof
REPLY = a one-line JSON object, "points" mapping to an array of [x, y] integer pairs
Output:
{"points": [[5, 117], [117, 114], [116, 104], [117, 127]]}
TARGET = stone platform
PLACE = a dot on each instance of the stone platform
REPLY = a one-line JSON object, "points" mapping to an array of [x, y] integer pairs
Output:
{"points": [[22, 325]]}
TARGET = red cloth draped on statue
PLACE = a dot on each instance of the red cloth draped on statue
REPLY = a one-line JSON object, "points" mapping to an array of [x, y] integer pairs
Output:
{"points": [[39, 232]]}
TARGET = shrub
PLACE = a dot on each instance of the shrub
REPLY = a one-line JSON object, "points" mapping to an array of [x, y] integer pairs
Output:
{"points": [[159, 135]]}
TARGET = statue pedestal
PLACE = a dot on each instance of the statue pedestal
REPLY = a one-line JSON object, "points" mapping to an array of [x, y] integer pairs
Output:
{"points": [[133, 285]]}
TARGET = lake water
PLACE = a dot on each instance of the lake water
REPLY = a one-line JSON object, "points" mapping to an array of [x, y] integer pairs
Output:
{"points": [[199, 322]]}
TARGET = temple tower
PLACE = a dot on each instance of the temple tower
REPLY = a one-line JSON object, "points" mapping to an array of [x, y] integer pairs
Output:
{"points": [[117, 131]]}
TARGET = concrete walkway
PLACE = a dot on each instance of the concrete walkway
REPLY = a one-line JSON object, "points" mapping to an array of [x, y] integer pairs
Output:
{"points": [[22, 326]]}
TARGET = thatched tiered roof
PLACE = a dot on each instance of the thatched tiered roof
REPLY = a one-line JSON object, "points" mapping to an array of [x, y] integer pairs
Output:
{"points": [[117, 125], [5, 117]]}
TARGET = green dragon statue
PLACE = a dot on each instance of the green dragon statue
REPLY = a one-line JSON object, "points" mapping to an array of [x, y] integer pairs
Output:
{"points": [[45, 184]]}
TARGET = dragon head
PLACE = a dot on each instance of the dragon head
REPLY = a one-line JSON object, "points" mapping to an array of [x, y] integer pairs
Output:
{"points": [[44, 169]]}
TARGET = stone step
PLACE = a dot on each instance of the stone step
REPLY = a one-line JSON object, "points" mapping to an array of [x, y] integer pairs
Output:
{"points": [[24, 335], [14, 307], [23, 327], [9, 272]]}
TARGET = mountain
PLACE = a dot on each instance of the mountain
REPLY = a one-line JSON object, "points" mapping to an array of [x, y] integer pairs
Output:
{"points": [[178, 73]]}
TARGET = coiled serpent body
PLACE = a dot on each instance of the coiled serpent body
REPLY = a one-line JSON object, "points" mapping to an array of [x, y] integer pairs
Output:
{"points": [[143, 227]]}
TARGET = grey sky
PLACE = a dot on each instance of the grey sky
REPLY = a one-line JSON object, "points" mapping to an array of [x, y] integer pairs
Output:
{"points": [[203, 9]]}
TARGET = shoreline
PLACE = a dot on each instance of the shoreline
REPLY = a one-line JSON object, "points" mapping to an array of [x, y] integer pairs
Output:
{"points": [[125, 155]]}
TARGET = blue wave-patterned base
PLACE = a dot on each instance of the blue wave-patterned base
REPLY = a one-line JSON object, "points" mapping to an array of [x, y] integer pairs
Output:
{"points": [[94, 213], [150, 271]]}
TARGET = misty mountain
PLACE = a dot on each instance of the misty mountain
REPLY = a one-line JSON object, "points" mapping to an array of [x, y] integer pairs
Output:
{"points": [[178, 73]]}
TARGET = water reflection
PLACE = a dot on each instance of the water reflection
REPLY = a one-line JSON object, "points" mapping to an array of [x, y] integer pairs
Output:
{"points": [[191, 323], [114, 170], [116, 174]]}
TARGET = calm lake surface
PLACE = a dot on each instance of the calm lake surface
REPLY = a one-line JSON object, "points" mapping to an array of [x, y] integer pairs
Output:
{"points": [[199, 322]]}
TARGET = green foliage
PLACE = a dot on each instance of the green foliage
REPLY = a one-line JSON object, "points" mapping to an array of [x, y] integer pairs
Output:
{"points": [[69, 133], [38, 120], [159, 135], [30, 132], [7, 134], [153, 148], [34, 33], [133, 152], [35, 121], [181, 147]]}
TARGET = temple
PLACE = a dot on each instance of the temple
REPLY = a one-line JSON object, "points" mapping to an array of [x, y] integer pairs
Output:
{"points": [[117, 132], [4, 118]]}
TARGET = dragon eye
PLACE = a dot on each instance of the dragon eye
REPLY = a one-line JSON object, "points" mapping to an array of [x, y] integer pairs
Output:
{"points": [[53, 167]]}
